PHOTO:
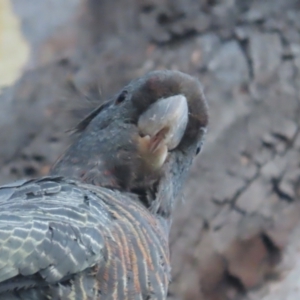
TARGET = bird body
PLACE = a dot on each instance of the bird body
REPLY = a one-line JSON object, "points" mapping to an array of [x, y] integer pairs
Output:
{"points": [[97, 227], [61, 227]]}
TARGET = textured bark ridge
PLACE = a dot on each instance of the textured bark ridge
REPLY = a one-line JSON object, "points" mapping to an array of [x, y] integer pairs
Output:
{"points": [[235, 236]]}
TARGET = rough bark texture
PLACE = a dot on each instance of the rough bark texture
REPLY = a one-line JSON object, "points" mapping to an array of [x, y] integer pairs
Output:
{"points": [[235, 234]]}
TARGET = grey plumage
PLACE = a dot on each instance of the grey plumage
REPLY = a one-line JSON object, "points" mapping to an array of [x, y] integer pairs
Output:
{"points": [[97, 227]]}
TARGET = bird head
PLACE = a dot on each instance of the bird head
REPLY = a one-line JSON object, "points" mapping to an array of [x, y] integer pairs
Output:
{"points": [[143, 140]]}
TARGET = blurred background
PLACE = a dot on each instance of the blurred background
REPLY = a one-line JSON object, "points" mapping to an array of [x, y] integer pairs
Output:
{"points": [[235, 235]]}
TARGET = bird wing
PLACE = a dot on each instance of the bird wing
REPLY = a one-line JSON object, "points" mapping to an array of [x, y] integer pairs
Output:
{"points": [[48, 228]]}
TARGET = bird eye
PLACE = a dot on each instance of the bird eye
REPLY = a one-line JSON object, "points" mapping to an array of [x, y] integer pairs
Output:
{"points": [[121, 97], [198, 149]]}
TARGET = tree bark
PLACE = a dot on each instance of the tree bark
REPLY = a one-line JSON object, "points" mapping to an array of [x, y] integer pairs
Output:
{"points": [[235, 233]]}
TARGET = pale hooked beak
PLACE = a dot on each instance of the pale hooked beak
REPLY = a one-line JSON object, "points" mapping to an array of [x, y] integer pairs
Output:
{"points": [[162, 127]]}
